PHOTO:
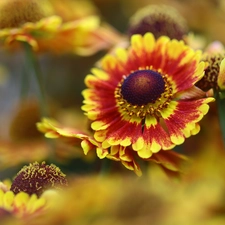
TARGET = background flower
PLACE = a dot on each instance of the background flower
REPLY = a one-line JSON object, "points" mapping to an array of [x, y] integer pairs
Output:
{"points": [[21, 205], [83, 34], [159, 20]]}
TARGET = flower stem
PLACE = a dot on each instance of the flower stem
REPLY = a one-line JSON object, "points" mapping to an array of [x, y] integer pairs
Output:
{"points": [[34, 68], [105, 167], [24, 84], [221, 110]]}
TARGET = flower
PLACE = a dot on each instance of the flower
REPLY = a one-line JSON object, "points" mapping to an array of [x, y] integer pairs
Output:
{"points": [[70, 10], [38, 177], [49, 32], [25, 152], [221, 76], [159, 20], [136, 103], [145, 97], [214, 55], [22, 136], [16, 12], [21, 205], [22, 127], [212, 71]]}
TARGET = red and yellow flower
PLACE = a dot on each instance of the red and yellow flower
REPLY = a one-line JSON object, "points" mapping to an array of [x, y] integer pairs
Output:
{"points": [[141, 102], [145, 97]]}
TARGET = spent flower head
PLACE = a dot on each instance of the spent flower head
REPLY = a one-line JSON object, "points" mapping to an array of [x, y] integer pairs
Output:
{"points": [[38, 177], [210, 78], [159, 20]]}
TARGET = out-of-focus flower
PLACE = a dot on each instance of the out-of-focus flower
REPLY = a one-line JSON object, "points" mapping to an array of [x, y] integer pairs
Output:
{"points": [[212, 71], [213, 80], [221, 76], [70, 10], [81, 193], [21, 205], [195, 41], [16, 12], [22, 126], [200, 197], [22, 136], [159, 20], [5, 185], [83, 36], [29, 145], [214, 48], [38, 177], [24, 151]]}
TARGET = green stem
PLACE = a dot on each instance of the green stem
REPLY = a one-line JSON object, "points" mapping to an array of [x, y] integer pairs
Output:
{"points": [[32, 66], [35, 69], [221, 110], [105, 167], [24, 84]]}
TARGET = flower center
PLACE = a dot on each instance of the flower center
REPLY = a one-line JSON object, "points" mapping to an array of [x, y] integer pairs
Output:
{"points": [[38, 177], [142, 87], [209, 80], [159, 20], [15, 13], [143, 92]]}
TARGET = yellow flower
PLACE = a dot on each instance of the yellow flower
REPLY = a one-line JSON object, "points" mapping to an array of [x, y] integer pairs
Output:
{"points": [[83, 36], [70, 10], [21, 205], [221, 76]]}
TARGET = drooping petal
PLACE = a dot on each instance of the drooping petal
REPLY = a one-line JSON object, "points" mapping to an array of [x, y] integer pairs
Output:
{"points": [[53, 129], [170, 160]]}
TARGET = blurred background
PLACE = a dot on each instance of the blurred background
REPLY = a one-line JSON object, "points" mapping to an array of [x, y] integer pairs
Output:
{"points": [[63, 78]]}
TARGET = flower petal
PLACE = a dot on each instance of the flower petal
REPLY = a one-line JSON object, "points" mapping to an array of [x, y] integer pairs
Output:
{"points": [[221, 76]]}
